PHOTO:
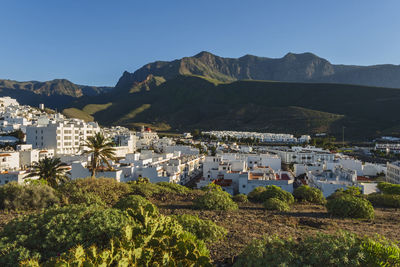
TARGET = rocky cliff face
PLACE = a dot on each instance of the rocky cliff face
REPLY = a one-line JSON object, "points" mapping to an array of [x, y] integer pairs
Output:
{"points": [[305, 67]]}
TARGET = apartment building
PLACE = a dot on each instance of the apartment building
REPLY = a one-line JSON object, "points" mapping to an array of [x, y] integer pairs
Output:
{"points": [[66, 137], [393, 172]]}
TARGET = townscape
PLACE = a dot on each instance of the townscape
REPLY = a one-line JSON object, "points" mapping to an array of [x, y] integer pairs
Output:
{"points": [[199, 133], [237, 168]]}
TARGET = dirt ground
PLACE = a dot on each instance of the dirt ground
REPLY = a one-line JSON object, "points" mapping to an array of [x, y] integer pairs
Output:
{"points": [[252, 221]]}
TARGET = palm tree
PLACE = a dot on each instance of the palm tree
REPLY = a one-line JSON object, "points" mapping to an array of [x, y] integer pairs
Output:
{"points": [[51, 170], [101, 150]]}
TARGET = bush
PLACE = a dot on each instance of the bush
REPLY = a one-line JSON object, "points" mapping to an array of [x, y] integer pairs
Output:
{"points": [[388, 188], [96, 236], [215, 199], [173, 188], [343, 249], [351, 190], [88, 198], [309, 194], [107, 189], [27, 197], [55, 231], [255, 195], [273, 191], [131, 202], [276, 204], [351, 207], [205, 230], [146, 190], [384, 200], [240, 198]]}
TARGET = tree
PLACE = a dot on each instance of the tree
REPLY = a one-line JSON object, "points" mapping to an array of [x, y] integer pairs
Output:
{"points": [[101, 150], [51, 170]]}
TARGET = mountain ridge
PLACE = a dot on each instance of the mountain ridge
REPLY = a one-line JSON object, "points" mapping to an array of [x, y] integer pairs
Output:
{"points": [[292, 67]]}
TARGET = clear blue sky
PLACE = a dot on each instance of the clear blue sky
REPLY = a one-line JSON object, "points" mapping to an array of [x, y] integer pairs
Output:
{"points": [[93, 42]]}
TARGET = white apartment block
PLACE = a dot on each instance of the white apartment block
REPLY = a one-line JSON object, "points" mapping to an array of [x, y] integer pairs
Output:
{"points": [[262, 137], [65, 137], [393, 172], [8, 101], [307, 155]]}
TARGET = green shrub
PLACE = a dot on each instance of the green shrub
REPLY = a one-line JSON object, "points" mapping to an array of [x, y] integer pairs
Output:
{"points": [[88, 198], [255, 195], [55, 231], [384, 200], [343, 249], [14, 196], [96, 236], [351, 207], [107, 189], [273, 191], [309, 194], [388, 188], [276, 204], [131, 202], [173, 188], [205, 230], [215, 199], [351, 190], [146, 190], [240, 198]]}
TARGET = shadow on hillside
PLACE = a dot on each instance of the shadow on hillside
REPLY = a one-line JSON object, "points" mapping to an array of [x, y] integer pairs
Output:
{"points": [[177, 206], [322, 215]]}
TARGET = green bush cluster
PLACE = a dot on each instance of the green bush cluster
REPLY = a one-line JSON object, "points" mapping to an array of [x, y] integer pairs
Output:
{"points": [[146, 189], [388, 188], [276, 204], [205, 230], [343, 249], [240, 198], [351, 207], [58, 229], [351, 190], [131, 202], [309, 194], [14, 196], [261, 194], [384, 200], [255, 195], [106, 189], [81, 235], [215, 199]]}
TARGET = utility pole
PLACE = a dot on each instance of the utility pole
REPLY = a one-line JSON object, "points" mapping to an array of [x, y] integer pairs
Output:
{"points": [[343, 135]]}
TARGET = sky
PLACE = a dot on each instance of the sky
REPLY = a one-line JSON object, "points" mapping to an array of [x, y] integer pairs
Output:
{"points": [[94, 41]]}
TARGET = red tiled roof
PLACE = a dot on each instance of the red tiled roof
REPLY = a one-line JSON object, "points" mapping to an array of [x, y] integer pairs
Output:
{"points": [[223, 182], [362, 178]]}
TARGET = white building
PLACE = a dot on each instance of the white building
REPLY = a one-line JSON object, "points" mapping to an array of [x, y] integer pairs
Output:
{"points": [[393, 172], [65, 137], [6, 101], [303, 155]]}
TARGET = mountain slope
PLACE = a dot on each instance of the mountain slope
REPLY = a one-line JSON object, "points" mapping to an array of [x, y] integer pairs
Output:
{"points": [[55, 93], [189, 102], [305, 67]]}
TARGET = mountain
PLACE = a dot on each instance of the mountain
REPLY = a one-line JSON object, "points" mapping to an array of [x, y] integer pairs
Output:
{"points": [[55, 93], [193, 102], [305, 67]]}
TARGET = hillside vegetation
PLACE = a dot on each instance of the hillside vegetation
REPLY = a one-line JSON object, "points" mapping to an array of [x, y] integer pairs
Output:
{"points": [[189, 102], [101, 222]]}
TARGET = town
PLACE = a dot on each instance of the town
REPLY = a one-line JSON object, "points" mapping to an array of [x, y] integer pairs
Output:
{"points": [[30, 134]]}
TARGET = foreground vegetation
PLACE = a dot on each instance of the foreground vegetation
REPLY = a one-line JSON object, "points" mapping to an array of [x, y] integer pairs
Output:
{"points": [[100, 221]]}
